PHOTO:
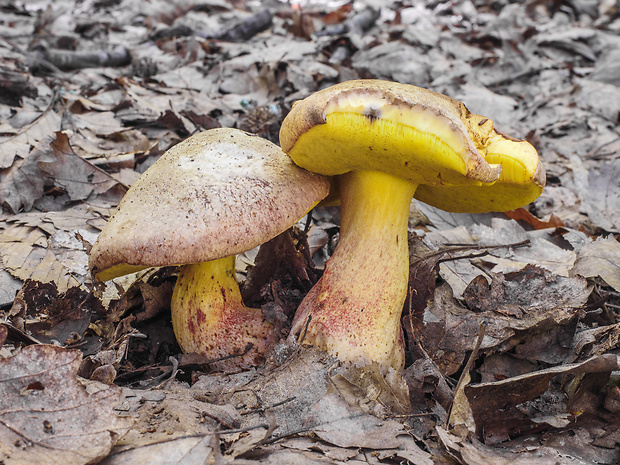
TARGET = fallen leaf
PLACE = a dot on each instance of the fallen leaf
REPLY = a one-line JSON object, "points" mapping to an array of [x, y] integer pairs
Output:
{"points": [[21, 185], [472, 452], [80, 179], [591, 342], [20, 142], [44, 246], [602, 194], [338, 423], [48, 417], [495, 405], [60, 318], [525, 304], [600, 258], [189, 450]]}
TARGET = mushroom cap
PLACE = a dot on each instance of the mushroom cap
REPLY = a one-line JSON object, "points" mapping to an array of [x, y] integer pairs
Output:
{"points": [[218, 193], [425, 137], [521, 181]]}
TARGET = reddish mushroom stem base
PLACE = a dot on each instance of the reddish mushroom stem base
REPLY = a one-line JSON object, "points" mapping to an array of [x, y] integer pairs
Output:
{"points": [[354, 311], [209, 317]]}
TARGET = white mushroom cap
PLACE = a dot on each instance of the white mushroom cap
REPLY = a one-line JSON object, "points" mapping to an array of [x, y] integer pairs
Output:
{"points": [[218, 193]]}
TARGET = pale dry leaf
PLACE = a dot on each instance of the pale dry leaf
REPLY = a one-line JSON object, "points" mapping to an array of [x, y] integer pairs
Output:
{"points": [[48, 417], [336, 422], [600, 258], [44, 246], [188, 450], [311, 444], [601, 196], [289, 457], [493, 242], [472, 452], [115, 150], [20, 142], [598, 98], [460, 411], [172, 427], [246, 442], [9, 286], [25, 255], [394, 61], [21, 185], [481, 100], [376, 392], [103, 101], [102, 123], [79, 178], [288, 391]]}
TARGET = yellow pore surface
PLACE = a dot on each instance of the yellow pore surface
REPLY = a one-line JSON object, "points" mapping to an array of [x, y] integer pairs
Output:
{"points": [[425, 150], [521, 181]]}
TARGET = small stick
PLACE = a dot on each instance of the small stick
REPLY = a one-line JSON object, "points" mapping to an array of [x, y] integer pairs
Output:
{"points": [[472, 357]]}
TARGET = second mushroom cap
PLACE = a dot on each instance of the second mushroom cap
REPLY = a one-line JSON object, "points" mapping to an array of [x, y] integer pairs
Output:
{"points": [[218, 193]]}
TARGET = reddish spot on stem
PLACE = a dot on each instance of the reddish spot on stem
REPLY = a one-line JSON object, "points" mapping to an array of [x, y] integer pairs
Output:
{"points": [[200, 317]]}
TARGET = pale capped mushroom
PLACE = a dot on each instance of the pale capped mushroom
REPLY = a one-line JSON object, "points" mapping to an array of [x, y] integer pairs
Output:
{"points": [[216, 194]]}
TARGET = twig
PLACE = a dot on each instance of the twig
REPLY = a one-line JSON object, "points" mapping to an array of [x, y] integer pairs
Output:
{"points": [[173, 373], [37, 59], [310, 428], [472, 357], [356, 24], [303, 336], [308, 222], [210, 433]]}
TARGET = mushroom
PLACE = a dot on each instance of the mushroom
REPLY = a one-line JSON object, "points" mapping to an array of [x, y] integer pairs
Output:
{"points": [[216, 194], [388, 142]]}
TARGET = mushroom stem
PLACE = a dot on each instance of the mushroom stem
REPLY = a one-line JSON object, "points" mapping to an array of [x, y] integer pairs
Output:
{"points": [[355, 308], [209, 317]]}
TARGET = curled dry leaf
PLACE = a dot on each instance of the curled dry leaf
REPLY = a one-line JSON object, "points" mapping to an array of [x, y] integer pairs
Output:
{"points": [[600, 258], [500, 406], [601, 200], [473, 452], [516, 306], [48, 417]]}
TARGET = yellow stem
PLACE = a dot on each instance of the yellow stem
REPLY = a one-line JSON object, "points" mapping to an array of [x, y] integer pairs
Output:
{"points": [[355, 308], [209, 317]]}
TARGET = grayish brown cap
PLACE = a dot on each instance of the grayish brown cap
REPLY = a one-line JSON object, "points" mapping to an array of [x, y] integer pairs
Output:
{"points": [[218, 193]]}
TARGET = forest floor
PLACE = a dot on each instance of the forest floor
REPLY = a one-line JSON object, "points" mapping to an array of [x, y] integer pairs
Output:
{"points": [[513, 339]]}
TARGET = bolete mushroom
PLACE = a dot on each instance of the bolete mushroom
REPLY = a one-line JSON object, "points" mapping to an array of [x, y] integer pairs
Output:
{"points": [[216, 194], [389, 142]]}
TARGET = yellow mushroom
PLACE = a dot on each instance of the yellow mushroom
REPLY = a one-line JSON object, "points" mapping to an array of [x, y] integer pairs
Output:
{"points": [[389, 142], [216, 194]]}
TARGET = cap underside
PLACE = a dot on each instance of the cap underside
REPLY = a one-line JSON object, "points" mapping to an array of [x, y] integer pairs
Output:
{"points": [[458, 159], [429, 153]]}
